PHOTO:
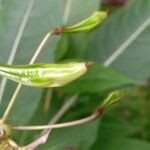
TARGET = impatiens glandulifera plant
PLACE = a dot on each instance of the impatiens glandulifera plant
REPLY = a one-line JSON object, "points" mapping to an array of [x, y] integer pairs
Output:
{"points": [[46, 75]]}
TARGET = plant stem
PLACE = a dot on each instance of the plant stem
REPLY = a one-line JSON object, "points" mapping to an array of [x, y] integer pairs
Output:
{"points": [[18, 88], [90, 118]]}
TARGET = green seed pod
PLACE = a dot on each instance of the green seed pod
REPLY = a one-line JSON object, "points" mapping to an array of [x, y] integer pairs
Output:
{"points": [[112, 98], [88, 24], [44, 75]]}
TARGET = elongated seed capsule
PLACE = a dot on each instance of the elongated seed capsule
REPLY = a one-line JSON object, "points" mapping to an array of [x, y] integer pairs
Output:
{"points": [[88, 24], [44, 75]]}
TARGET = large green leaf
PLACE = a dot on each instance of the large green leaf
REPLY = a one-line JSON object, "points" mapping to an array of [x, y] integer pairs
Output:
{"points": [[126, 31]]}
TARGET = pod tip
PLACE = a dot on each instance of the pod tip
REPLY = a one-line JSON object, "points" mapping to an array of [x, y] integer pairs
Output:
{"points": [[57, 31], [88, 64]]}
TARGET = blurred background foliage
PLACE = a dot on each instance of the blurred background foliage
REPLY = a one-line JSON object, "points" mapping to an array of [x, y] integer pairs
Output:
{"points": [[125, 125]]}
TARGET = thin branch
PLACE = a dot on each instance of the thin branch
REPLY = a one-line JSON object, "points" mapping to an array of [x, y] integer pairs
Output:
{"points": [[16, 44], [45, 133], [127, 43], [67, 12], [90, 118], [36, 54]]}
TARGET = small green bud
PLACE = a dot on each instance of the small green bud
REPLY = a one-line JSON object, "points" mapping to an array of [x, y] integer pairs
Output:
{"points": [[112, 98], [88, 24]]}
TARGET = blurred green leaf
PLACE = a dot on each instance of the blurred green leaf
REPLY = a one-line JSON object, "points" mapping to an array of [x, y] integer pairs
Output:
{"points": [[98, 78]]}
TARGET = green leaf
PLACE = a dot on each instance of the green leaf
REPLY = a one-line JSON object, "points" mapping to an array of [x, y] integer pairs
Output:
{"points": [[98, 78], [126, 32]]}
